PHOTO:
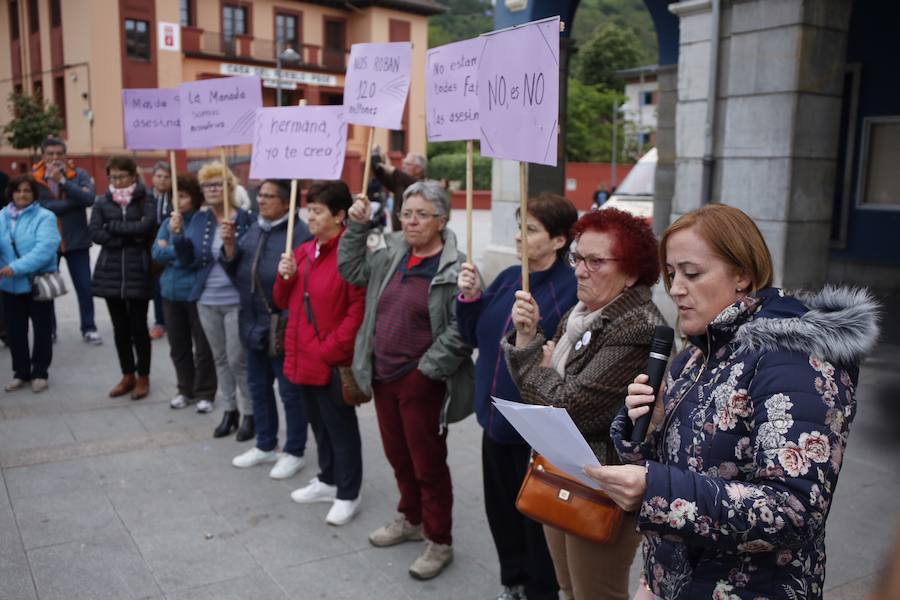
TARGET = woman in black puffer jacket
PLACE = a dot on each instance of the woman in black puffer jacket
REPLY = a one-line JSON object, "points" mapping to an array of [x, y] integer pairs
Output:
{"points": [[123, 223]]}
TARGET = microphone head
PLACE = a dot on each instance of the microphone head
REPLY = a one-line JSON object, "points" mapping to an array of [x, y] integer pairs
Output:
{"points": [[663, 338]]}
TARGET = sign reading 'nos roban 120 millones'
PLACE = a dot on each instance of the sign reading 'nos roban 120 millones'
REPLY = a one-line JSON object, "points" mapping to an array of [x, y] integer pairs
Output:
{"points": [[219, 112], [377, 83]]}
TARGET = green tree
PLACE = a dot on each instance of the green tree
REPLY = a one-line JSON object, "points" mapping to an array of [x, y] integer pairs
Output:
{"points": [[33, 121], [464, 19], [611, 49], [628, 14], [589, 126]]}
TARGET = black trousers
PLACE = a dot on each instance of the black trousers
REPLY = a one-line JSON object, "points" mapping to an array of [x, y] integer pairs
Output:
{"points": [[129, 320], [336, 430], [520, 543], [189, 350], [18, 309]]}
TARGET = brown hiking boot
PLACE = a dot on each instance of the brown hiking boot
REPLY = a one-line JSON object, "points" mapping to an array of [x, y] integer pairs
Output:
{"points": [[141, 387], [123, 387], [434, 560], [397, 531]]}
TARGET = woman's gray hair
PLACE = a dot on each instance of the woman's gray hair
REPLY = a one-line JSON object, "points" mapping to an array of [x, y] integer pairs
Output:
{"points": [[433, 192]]}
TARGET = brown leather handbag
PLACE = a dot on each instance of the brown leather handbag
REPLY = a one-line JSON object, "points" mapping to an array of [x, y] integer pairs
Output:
{"points": [[553, 498]]}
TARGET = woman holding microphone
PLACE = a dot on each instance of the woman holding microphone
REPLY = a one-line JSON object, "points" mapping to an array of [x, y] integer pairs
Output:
{"points": [[733, 483]]}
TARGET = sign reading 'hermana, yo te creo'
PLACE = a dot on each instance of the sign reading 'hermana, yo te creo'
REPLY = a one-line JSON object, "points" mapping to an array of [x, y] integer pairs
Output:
{"points": [[219, 112], [451, 81], [152, 119], [518, 93], [377, 83], [299, 142]]}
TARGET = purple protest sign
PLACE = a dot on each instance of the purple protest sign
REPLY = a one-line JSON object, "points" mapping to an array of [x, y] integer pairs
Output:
{"points": [[518, 93], [299, 142], [451, 82], [152, 119], [377, 83], [219, 112]]}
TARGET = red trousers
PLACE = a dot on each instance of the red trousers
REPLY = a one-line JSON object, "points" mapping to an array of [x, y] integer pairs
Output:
{"points": [[409, 412]]}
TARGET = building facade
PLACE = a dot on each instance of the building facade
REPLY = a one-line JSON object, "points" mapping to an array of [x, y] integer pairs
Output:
{"points": [[81, 54], [639, 108]]}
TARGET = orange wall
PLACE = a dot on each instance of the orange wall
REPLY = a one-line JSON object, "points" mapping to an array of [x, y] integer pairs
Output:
{"points": [[587, 177]]}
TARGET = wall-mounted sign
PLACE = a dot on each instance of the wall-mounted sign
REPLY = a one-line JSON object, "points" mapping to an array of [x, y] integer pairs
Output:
{"points": [[169, 36], [287, 75]]}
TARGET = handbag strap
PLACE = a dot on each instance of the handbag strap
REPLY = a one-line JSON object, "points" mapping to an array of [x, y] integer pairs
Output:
{"points": [[254, 272]]}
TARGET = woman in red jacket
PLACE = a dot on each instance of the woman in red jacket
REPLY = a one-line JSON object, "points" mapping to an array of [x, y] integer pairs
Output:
{"points": [[324, 313]]}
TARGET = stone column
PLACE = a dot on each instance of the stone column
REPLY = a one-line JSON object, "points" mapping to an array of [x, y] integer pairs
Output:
{"points": [[664, 181], [781, 66]]}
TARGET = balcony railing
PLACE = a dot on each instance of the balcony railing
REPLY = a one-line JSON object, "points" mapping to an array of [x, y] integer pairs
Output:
{"points": [[213, 43]]}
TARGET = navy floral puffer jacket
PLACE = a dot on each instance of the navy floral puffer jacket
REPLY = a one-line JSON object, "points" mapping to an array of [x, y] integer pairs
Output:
{"points": [[741, 473]]}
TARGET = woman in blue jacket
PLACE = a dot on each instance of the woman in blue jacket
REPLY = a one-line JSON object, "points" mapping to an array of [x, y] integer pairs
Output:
{"points": [[218, 301], [733, 483], [29, 239], [526, 569], [188, 347]]}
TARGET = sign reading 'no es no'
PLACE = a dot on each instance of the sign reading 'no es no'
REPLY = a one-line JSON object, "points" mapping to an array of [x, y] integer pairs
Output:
{"points": [[377, 83], [518, 93], [299, 142]]}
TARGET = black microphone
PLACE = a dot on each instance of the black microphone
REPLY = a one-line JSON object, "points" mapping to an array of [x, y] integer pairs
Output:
{"points": [[660, 349]]}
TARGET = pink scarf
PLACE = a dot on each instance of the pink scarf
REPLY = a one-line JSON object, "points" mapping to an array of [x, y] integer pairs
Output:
{"points": [[122, 196]]}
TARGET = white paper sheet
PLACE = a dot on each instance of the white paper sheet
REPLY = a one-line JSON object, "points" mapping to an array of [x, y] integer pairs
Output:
{"points": [[552, 433]]}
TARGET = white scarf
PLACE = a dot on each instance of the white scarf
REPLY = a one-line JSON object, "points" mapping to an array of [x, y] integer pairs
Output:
{"points": [[579, 321]]}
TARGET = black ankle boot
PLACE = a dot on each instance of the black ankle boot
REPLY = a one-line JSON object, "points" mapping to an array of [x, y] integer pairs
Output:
{"points": [[229, 423], [247, 430]]}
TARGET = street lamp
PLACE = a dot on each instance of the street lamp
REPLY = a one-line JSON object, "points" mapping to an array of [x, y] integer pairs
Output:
{"points": [[615, 128], [288, 55]]}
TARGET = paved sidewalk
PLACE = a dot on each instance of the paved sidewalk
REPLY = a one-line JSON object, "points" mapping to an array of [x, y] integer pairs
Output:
{"points": [[112, 499]]}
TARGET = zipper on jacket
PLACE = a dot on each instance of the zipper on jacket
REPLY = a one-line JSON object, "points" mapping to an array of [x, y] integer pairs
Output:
{"points": [[124, 219]]}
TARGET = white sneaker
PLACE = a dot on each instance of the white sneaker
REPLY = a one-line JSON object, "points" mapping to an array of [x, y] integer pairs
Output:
{"points": [[252, 457], [92, 337], [287, 466], [204, 406], [342, 511], [316, 491], [179, 401]]}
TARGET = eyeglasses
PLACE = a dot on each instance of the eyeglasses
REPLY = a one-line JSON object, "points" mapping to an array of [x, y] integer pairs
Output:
{"points": [[211, 185], [267, 196], [591, 263], [420, 215], [120, 177]]}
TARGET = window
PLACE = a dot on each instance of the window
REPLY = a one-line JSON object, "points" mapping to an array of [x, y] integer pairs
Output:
{"points": [[647, 98], [38, 90], [17, 89], [398, 140], [55, 13], [879, 176], [286, 31], [643, 138], [187, 16], [333, 53], [14, 20], [137, 39], [234, 21], [34, 24], [59, 96]]}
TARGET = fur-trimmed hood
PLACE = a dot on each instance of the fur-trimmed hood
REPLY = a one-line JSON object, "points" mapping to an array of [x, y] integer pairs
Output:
{"points": [[838, 324]]}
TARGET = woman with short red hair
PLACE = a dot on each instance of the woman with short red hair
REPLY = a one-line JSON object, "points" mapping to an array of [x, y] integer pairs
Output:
{"points": [[601, 345]]}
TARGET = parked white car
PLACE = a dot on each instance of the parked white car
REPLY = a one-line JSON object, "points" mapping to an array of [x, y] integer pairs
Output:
{"points": [[635, 194]]}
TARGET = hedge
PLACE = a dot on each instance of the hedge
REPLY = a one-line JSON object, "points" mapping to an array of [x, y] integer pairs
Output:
{"points": [[452, 167]]}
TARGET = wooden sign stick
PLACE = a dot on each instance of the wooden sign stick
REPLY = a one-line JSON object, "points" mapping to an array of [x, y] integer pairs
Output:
{"points": [[226, 202], [292, 210], [469, 208], [174, 181], [367, 170], [523, 221]]}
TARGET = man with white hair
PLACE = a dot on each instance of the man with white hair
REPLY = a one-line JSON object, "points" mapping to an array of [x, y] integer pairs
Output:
{"points": [[411, 170]]}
